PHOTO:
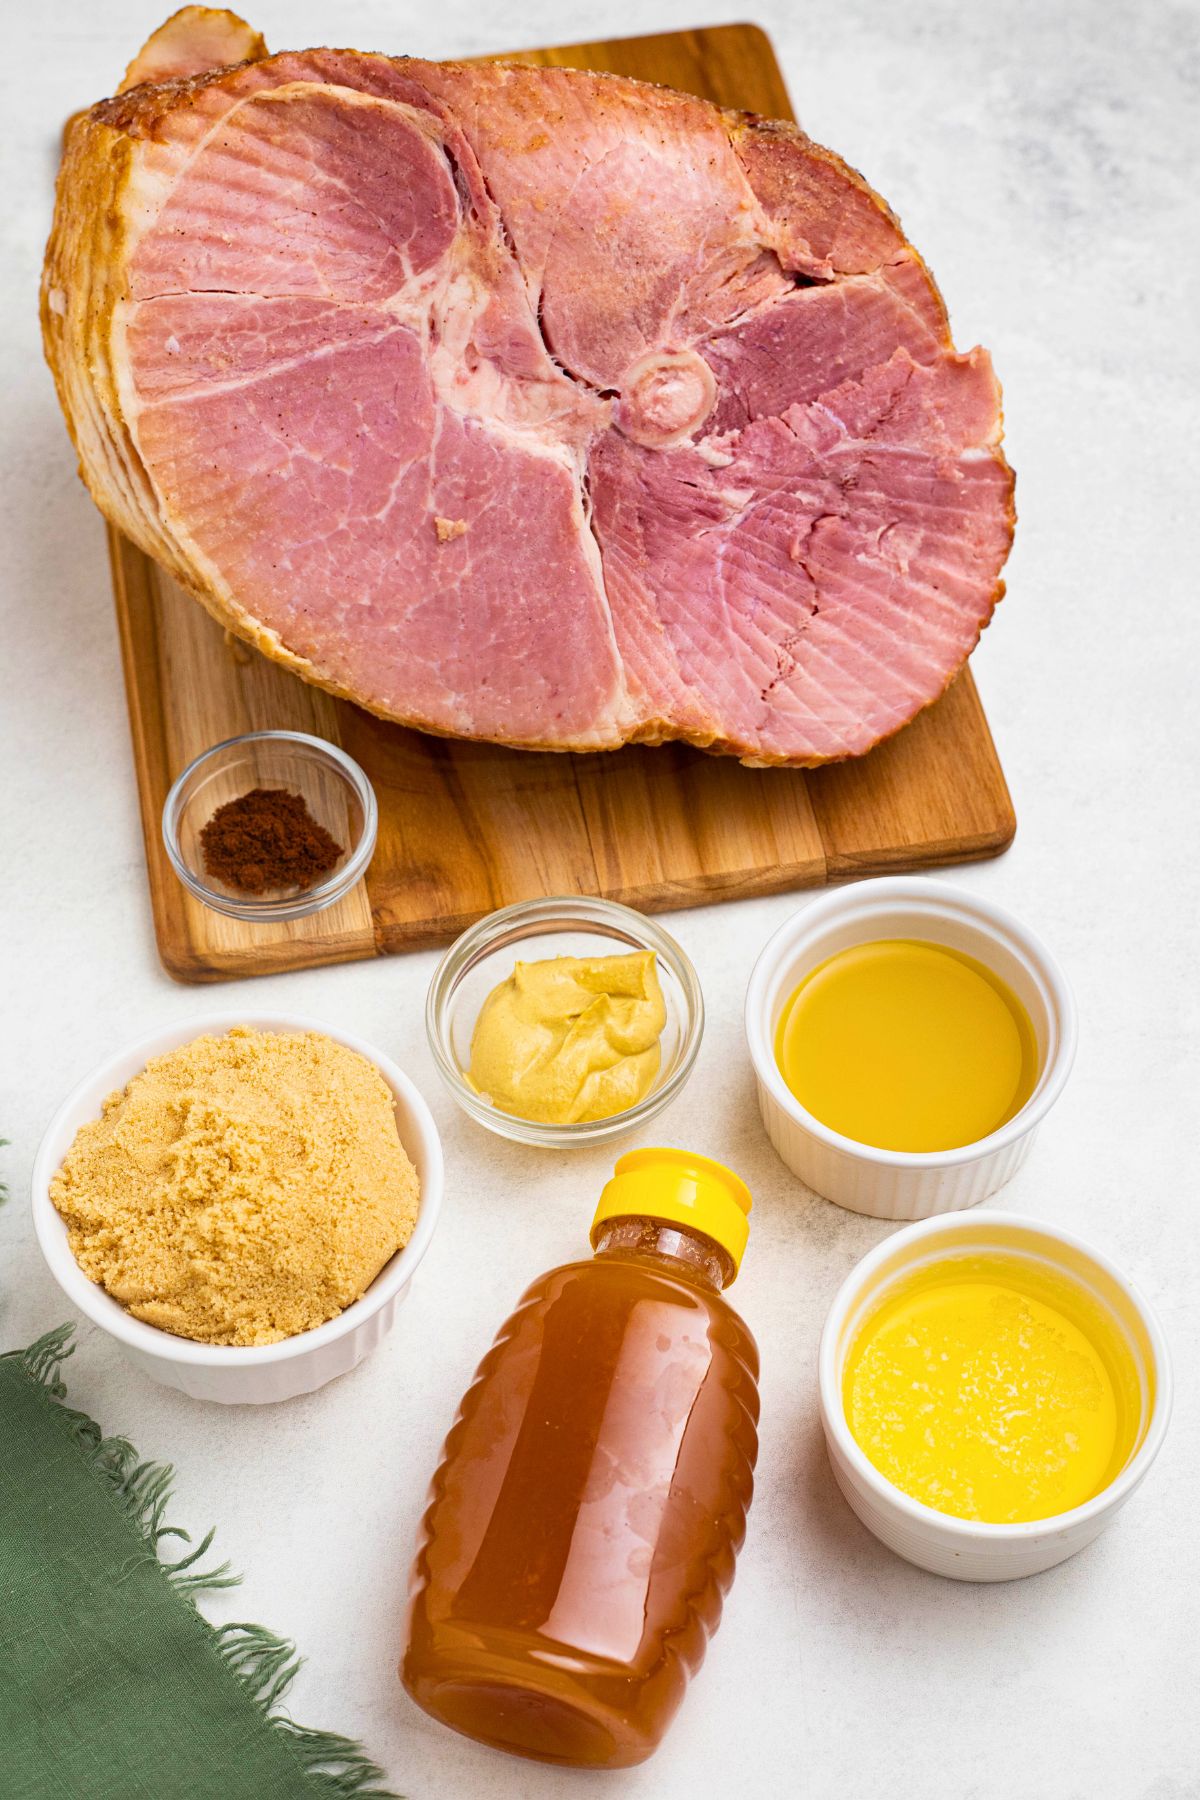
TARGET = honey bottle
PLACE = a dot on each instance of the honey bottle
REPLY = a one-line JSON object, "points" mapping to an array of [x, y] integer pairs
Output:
{"points": [[591, 1499]]}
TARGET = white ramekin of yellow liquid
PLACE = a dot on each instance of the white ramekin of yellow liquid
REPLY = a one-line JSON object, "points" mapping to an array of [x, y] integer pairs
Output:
{"points": [[1029, 1428], [899, 1175]]}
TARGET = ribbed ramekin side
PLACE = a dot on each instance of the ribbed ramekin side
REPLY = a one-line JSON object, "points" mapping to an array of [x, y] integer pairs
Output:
{"points": [[879, 1189]]}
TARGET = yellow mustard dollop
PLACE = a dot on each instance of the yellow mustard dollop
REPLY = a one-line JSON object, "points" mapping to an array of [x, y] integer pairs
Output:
{"points": [[570, 1038]]}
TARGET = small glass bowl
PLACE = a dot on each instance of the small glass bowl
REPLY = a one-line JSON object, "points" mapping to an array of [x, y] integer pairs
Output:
{"points": [[483, 957], [333, 787]]}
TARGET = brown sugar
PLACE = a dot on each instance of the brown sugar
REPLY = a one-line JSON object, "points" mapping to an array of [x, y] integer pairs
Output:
{"points": [[267, 839], [241, 1188]]}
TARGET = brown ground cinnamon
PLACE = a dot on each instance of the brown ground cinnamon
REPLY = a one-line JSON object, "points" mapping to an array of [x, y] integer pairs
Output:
{"points": [[267, 839]]}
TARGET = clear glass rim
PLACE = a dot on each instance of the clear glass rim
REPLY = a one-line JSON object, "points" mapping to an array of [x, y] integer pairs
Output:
{"points": [[313, 899], [511, 925]]}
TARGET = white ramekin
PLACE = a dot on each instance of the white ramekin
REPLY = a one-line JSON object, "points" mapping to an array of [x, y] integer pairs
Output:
{"points": [[898, 1184], [214, 1371], [961, 1548]]}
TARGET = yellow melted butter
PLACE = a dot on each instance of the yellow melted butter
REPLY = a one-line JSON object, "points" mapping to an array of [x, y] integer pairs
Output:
{"points": [[993, 1388], [907, 1045]]}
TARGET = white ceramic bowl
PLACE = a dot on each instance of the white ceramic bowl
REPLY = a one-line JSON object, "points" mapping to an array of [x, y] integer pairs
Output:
{"points": [[215, 1371], [961, 1548], [898, 1184]]}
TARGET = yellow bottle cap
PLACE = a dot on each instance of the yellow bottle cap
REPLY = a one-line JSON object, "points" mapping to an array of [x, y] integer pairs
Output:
{"points": [[681, 1189]]}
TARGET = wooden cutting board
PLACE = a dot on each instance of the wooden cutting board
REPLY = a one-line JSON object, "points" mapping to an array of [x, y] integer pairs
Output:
{"points": [[464, 828]]}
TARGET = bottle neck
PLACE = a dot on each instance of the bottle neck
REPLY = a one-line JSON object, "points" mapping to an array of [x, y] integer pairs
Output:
{"points": [[688, 1254]]}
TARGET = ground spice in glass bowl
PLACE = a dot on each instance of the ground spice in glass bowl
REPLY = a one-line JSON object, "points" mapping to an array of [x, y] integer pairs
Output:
{"points": [[265, 840], [273, 825]]}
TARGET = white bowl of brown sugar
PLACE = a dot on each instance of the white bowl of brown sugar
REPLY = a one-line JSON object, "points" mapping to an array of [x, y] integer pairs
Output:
{"points": [[240, 1201]]}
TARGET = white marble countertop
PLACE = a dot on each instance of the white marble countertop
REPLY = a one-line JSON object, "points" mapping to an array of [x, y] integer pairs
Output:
{"points": [[1043, 158]]}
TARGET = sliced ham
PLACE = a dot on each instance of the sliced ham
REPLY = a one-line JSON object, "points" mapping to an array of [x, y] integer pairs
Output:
{"points": [[191, 42], [525, 404]]}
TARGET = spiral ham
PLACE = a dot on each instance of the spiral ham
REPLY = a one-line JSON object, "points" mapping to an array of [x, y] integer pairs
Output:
{"points": [[524, 404]]}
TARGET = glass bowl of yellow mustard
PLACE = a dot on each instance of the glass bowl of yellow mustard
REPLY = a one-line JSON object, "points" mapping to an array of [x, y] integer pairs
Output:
{"points": [[564, 1021]]}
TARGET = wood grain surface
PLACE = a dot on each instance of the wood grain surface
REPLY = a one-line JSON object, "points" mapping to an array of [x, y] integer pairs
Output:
{"points": [[468, 827]]}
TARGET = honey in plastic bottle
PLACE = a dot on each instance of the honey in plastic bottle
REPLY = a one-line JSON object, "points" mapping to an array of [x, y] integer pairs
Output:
{"points": [[592, 1494]]}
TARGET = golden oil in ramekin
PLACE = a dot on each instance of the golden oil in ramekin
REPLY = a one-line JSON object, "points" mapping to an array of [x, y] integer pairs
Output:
{"points": [[907, 1045]]}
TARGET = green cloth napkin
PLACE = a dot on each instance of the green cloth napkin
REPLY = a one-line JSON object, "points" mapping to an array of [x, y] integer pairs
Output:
{"points": [[112, 1685]]}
